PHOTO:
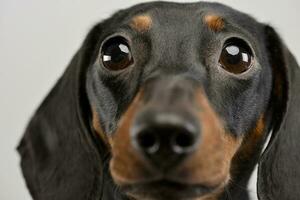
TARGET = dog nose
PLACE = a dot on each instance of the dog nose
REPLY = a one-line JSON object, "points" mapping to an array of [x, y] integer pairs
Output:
{"points": [[165, 139]]}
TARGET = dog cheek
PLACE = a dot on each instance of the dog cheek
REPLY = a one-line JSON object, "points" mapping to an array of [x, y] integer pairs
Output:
{"points": [[126, 166], [250, 148], [210, 164], [97, 127]]}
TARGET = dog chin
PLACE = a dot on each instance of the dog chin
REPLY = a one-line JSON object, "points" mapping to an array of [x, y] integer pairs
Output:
{"points": [[165, 190]]}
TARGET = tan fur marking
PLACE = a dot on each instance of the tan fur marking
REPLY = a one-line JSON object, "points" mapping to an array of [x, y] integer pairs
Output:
{"points": [[251, 145], [259, 128], [252, 139], [210, 164], [214, 22], [141, 23], [126, 166], [97, 127]]}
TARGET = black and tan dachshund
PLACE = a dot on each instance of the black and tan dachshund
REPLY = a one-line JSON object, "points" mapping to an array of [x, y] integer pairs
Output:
{"points": [[170, 101]]}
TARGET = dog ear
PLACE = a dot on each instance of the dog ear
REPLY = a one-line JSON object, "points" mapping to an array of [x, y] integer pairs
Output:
{"points": [[279, 171], [58, 157]]}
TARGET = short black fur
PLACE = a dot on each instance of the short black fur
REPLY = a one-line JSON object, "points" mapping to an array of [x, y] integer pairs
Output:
{"points": [[62, 158]]}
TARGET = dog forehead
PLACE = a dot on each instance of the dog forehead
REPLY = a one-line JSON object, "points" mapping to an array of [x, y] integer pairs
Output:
{"points": [[180, 29], [163, 15]]}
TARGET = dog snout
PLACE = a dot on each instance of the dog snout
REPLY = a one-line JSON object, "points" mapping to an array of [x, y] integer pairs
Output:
{"points": [[165, 139]]}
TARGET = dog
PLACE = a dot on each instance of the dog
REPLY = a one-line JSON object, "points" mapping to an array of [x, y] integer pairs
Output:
{"points": [[170, 101]]}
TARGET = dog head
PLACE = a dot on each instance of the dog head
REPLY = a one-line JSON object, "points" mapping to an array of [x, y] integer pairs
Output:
{"points": [[181, 97]]}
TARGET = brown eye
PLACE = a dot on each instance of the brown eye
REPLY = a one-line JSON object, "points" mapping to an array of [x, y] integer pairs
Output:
{"points": [[116, 54], [236, 56]]}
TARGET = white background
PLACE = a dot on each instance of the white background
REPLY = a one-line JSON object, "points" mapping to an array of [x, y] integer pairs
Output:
{"points": [[38, 39]]}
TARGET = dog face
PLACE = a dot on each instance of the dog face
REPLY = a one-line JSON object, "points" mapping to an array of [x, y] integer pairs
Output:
{"points": [[179, 92], [169, 101]]}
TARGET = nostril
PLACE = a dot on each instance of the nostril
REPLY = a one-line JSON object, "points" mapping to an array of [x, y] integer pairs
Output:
{"points": [[183, 142], [148, 141]]}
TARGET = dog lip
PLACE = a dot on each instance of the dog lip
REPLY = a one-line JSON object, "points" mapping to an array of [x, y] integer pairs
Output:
{"points": [[166, 189]]}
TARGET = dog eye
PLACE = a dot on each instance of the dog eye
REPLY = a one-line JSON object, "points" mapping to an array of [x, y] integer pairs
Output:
{"points": [[116, 54], [236, 56]]}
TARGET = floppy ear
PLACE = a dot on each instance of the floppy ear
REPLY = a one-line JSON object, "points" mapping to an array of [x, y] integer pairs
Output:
{"points": [[279, 167], [59, 159]]}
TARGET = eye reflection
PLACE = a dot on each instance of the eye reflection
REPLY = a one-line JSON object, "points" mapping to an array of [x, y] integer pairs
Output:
{"points": [[232, 50]]}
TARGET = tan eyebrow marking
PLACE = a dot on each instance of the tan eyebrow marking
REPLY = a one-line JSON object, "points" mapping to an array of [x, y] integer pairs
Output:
{"points": [[141, 23], [214, 22]]}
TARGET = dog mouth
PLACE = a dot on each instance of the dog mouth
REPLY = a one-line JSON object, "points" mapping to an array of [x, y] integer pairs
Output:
{"points": [[166, 189]]}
